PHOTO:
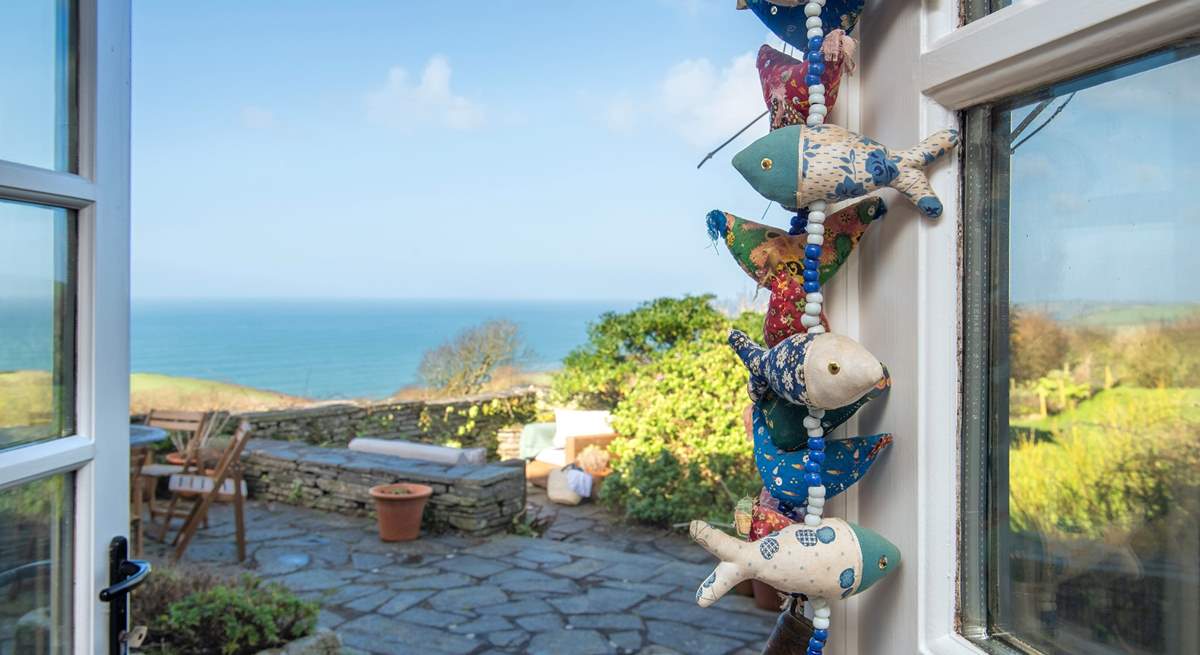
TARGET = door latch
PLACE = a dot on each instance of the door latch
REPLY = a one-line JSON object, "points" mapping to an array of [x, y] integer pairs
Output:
{"points": [[124, 575]]}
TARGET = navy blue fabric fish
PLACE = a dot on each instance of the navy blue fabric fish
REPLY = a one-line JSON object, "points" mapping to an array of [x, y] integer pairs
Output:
{"points": [[787, 22], [782, 472]]}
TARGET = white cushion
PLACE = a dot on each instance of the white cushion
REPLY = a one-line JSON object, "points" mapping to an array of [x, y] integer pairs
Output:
{"points": [[420, 451], [552, 456], [579, 423]]}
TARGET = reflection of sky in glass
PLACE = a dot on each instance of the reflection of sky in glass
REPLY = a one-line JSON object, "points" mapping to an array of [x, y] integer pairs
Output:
{"points": [[33, 89], [1101, 202]]}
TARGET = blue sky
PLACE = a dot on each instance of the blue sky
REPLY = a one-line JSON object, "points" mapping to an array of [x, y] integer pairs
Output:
{"points": [[445, 150]]}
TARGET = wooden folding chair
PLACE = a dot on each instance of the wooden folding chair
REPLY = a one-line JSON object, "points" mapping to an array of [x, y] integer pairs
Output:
{"points": [[202, 491], [138, 457], [189, 431]]}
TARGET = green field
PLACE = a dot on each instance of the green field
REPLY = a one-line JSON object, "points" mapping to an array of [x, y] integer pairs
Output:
{"points": [[26, 396]]}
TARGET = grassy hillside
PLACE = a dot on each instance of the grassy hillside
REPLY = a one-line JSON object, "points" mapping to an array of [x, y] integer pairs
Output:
{"points": [[25, 396]]}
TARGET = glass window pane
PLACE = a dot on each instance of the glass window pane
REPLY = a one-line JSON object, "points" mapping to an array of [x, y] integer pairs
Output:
{"points": [[37, 323], [35, 567], [1093, 510], [37, 97]]}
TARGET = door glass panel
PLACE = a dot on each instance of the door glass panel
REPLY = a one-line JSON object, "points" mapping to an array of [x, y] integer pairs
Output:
{"points": [[1093, 513], [37, 96], [35, 566], [37, 323]]}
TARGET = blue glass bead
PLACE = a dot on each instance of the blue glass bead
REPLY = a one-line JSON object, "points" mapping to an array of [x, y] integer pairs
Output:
{"points": [[812, 250], [816, 68], [812, 467], [811, 287], [811, 275], [815, 43], [816, 644], [815, 56], [811, 79], [817, 456], [821, 633], [799, 222], [816, 443], [812, 479], [812, 263], [813, 652]]}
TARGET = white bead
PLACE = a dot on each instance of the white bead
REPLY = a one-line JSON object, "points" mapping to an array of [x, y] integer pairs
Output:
{"points": [[818, 603], [818, 109], [816, 98], [821, 624], [812, 520], [814, 21], [817, 329], [816, 503], [815, 216], [816, 88], [817, 206], [822, 613], [819, 413], [812, 9], [815, 120], [816, 432], [814, 228], [816, 492], [811, 423], [815, 31], [816, 239], [820, 2], [815, 297], [809, 321], [812, 308]]}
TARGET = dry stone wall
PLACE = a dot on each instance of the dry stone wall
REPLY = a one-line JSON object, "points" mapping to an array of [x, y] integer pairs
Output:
{"points": [[471, 421], [475, 500]]}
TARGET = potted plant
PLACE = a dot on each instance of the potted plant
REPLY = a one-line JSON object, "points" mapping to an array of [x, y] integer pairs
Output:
{"points": [[399, 507]]}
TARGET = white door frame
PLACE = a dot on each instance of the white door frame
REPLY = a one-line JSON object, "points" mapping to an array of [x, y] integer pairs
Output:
{"points": [[99, 193]]}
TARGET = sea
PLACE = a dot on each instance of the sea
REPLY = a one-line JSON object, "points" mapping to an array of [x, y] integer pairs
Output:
{"points": [[331, 349]]}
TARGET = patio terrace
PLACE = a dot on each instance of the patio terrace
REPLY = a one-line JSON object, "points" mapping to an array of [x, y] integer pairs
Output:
{"points": [[588, 586]]}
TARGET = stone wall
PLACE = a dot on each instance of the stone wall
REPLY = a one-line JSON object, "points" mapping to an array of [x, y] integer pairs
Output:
{"points": [[469, 499], [471, 421]]}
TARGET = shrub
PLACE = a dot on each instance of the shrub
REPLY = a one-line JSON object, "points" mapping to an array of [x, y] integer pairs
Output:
{"points": [[1122, 460], [619, 344], [464, 364], [190, 611], [684, 453]]}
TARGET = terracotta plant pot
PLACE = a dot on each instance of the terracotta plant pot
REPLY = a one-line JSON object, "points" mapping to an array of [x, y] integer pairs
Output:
{"points": [[765, 596], [399, 507]]}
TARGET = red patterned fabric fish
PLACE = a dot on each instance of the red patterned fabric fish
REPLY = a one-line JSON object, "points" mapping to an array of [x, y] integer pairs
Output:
{"points": [[783, 86]]}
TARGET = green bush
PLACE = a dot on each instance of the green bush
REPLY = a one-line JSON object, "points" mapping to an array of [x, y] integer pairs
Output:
{"points": [[189, 611], [684, 454], [595, 375]]}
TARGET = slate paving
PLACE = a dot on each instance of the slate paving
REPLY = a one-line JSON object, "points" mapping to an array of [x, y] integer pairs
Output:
{"points": [[588, 585]]}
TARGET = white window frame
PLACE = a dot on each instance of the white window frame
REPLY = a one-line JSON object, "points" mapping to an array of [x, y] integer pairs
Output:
{"points": [[99, 193], [918, 67]]}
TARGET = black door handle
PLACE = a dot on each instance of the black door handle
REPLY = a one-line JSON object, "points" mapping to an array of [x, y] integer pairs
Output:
{"points": [[124, 575], [136, 572]]}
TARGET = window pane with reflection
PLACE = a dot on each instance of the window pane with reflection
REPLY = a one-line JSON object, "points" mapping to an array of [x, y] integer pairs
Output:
{"points": [[1097, 465], [35, 567], [37, 323], [37, 83]]}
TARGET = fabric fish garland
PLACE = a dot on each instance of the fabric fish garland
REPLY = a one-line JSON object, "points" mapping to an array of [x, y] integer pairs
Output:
{"points": [[833, 559], [798, 165], [774, 259], [785, 421]]}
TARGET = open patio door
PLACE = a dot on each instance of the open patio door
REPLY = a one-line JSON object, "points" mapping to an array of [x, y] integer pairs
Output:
{"points": [[64, 327]]}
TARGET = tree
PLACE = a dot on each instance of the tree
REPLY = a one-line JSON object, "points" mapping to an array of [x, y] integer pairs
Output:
{"points": [[464, 364], [595, 374], [1037, 345]]}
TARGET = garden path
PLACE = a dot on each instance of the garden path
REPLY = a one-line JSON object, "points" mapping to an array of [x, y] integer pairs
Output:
{"points": [[589, 586]]}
